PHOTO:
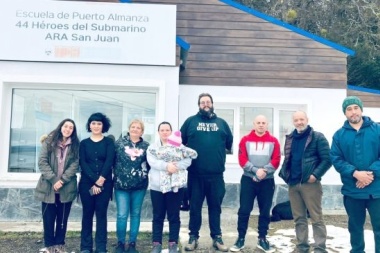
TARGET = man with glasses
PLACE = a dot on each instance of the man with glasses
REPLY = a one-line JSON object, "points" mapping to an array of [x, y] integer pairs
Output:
{"points": [[211, 137]]}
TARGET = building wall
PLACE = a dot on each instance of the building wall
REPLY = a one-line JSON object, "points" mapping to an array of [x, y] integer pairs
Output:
{"points": [[16, 192], [16, 189], [370, 100], [230, 50], [232, 47]]}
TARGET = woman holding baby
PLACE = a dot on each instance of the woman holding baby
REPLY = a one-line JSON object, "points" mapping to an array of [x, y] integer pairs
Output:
{"points": [[167, 158]]}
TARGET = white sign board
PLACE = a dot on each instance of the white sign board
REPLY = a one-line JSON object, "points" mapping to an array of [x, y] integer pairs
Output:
{"points": [[62, 31]]}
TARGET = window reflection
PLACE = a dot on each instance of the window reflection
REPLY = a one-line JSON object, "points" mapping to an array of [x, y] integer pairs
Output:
{"points": [[38, 112], [286, 127], [228, 116]]}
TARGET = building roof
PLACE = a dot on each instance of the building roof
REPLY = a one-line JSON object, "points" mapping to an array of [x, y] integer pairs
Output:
{"points": [[370, 97], [288, 26]]}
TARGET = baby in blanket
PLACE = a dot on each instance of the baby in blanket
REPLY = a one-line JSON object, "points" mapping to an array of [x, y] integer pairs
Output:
{"points": [[174, 151]]}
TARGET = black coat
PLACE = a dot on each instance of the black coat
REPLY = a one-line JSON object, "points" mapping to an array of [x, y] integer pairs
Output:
{"points": [[316, 158]]}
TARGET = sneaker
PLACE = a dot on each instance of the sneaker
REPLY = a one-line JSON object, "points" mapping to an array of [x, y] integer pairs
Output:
{"points": [[218, 244], [120, 248], [263, 244], [157, 247], [192, 244], [173, 247], [239, 245], [50, 249], [60, 249], [132, 248], [185, 208]]}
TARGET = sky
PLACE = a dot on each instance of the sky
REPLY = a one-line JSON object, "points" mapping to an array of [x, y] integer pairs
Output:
{"points": [[338, 240]]}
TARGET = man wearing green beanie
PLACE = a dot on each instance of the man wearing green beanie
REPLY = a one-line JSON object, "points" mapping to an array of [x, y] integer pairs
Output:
{"points": [[351, 100], [355, 154]]}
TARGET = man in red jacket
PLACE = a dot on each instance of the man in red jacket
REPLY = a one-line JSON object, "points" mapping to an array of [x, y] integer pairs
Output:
{"points": [[259, 156]]}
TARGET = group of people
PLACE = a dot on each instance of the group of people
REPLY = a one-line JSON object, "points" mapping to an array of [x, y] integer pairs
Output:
{"points": [[355, 154], [194, 157], [106, 166]]}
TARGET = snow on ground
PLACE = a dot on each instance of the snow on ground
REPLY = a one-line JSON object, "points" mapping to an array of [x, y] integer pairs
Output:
{"points": [[338, 240]]}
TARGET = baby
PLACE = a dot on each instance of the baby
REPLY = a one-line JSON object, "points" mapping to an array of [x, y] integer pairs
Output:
{"points": [[174, 151]]}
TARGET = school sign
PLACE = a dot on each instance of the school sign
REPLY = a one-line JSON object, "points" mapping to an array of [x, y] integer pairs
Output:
{"points": [[60, 31]]}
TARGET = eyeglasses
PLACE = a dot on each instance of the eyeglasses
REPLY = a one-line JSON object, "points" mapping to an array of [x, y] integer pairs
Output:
{"points": [[205, 103]]}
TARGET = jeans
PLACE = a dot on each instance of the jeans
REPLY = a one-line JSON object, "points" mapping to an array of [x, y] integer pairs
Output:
{"points": [[55, 218], [356, 211], [98, 205], [128, 202], [303, 197], [166, 204], [249, 190], [213, 188]]}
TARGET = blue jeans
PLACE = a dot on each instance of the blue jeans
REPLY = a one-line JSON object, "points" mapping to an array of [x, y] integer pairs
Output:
{"points": [[128, 202]]}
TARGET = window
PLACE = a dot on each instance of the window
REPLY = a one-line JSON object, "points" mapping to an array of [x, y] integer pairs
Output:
{"points": [[240, 119], [36, 112], [248, 114], [286, 127]]}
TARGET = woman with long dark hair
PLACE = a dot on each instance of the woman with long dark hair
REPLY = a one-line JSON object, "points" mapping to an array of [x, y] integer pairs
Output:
{"points": [[57, 186], [97, 155]]}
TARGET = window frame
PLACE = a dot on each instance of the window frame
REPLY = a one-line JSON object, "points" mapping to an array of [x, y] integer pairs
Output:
{"points": [[277, 107], [28, 180]]}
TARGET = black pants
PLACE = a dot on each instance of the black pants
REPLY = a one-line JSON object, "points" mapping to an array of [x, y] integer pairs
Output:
{"points": [[213, 189], [249, 190], [166, 203], [55, 218], [98, 205], [185, 200], [356, 211]]}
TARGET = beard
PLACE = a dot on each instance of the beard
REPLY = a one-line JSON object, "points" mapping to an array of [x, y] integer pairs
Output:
{"points": [[208, 113], [355, 119], [301, 129]]}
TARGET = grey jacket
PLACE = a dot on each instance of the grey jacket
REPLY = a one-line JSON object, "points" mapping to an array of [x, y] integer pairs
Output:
{"points": [[48, 165]]}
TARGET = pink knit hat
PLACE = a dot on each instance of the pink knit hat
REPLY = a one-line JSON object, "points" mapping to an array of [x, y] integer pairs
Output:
{"points": [[175, 139]]}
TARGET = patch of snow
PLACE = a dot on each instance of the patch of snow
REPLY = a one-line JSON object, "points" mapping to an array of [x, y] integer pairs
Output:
{"points": [[338, 240]]}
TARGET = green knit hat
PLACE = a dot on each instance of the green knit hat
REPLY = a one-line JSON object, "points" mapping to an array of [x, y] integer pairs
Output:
{"points": [[351, 100]]}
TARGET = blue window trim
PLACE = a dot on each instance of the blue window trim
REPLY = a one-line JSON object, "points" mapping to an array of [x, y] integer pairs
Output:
{"points": [[125, 1], [290, 27], [358, 88], [182, 43]]}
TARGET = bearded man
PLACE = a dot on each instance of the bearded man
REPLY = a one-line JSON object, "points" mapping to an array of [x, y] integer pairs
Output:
{"points": [[307, 158], [211, 137], [355, 154]]}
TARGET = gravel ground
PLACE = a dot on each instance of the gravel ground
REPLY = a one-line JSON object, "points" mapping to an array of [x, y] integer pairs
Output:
{"points": [[30, 242]]}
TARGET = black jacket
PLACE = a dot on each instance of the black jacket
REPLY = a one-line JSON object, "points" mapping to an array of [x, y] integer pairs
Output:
{"points": [[131, 167], [316, 158]]}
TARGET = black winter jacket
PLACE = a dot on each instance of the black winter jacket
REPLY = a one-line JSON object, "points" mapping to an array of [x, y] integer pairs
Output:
{"points": [[316, 158], [131, 167]]}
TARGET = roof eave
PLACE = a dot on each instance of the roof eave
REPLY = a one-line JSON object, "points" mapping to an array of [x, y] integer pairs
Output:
{"points": [[290, 27]]}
